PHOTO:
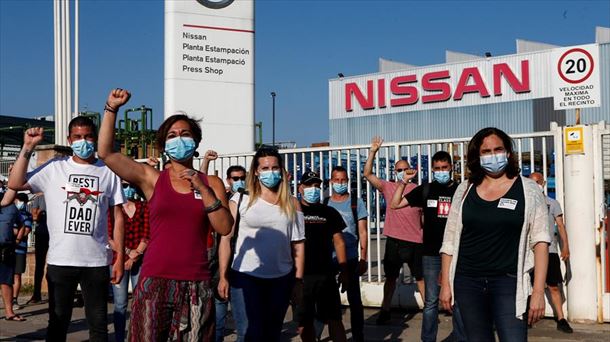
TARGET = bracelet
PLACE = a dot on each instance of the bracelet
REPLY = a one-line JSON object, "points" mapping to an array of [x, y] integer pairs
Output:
{"points": [[108, 108], [215, 206], [127, 251]]}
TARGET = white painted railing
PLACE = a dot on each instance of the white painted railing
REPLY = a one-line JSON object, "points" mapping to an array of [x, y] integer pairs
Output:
{"points": [[419, 154]]}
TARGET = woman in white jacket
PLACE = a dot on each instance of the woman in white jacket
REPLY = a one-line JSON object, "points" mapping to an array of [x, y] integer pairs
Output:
{"points": [[496, 232]]}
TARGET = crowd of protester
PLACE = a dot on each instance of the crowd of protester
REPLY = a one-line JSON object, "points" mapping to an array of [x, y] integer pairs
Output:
{"points": [[196, 249]]}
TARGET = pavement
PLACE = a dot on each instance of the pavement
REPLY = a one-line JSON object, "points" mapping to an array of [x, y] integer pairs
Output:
{"points": [[404, 326]]}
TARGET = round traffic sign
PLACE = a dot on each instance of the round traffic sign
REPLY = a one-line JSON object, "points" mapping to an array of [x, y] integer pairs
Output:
{"points": [[575, 65]]}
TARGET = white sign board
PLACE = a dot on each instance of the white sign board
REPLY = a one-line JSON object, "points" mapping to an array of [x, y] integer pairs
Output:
{"points": [[576, 77], [209, 69]]}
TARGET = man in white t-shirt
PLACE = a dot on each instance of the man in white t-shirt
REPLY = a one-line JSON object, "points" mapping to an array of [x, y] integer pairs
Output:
{"points": [[553, 274], [79, 191]]}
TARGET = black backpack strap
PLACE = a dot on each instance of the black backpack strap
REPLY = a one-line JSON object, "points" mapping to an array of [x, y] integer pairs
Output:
{"points": [[425, 191]]}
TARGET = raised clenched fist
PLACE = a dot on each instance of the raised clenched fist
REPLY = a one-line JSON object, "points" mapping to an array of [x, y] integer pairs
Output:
{"points": [[33, 136], [211, 155], [117, 98]]}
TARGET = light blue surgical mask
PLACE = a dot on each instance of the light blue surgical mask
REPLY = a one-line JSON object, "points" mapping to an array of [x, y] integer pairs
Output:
{"points": [[238, 184], [340, 188], [129, 192], [270, 179], [311, 195], [20, 205], [442, 177], [494, 163], [83, 148], [400, 176], [180, 148]]}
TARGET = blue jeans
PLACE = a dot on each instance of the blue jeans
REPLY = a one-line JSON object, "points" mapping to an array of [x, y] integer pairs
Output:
{"points": [[432, 268], [120, 295], [222, 308], [259, 305], [486, 302]]}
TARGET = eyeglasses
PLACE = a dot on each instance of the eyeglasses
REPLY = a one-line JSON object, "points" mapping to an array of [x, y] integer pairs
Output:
{"points": [[237, 178]]}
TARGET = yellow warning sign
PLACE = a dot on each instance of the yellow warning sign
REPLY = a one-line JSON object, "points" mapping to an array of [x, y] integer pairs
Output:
{"points": [[573, 138]]}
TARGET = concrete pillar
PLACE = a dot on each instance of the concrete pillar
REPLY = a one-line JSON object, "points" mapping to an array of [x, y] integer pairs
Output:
{"points": [[579, 212]]}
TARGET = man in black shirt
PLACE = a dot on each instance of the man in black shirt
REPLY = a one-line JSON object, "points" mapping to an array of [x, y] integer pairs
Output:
{"points": [[435, 199], [323, 233]]}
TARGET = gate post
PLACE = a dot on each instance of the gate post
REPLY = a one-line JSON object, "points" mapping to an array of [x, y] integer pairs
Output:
{"points": [[580, 224]]}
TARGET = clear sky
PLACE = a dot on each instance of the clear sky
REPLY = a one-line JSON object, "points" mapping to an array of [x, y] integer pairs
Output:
{"points": [[299, 46]]}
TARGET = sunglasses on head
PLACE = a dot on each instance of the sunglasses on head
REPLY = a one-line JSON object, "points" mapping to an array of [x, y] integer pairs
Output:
{"points": [[237, 178], [311, 175]]}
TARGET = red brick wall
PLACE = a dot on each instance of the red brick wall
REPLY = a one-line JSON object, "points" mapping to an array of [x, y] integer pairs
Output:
{"points": [[27, 278]]}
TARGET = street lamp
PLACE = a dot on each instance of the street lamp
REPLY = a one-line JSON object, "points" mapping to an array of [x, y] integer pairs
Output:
{"points": [[273, 118]]}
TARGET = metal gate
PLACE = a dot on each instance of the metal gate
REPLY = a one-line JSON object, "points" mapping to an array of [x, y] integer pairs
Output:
{"points": [[535, 152]]}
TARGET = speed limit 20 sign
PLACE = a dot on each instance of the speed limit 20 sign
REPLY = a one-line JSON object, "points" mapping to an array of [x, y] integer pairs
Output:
{"points": [[576, 77]]}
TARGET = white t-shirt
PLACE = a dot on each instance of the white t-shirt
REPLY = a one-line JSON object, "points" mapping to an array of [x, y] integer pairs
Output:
{"points": [[263, 248], [554, 212], [77, 197]]}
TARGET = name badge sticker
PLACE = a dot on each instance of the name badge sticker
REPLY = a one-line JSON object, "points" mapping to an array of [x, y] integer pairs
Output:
{"points": [[432, 203], [507, 203], [197, 194], [72, 187]]}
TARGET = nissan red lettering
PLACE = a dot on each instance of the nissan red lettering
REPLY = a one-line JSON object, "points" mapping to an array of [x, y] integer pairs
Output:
{"points": [[365, 102], [436, 87], [463, 87], [398, 88], [503, 69], [443, 87]]}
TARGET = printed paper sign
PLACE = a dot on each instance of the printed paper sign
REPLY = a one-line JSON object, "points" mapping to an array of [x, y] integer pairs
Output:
{"points": [[444, 205], [82, 196]]}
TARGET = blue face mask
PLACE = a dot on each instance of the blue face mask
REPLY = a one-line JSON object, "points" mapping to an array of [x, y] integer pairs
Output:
{"points": [[311, 195], [270, 179], [399, 176], [20, 205], [494, 163], [442, 177], [82, 148], [180, 148], [340, 188], [129, 192], [238, 184]]}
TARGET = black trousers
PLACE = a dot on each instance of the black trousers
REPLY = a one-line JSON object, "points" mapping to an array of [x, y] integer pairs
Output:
{"points": [[63, 281], [42, 246]]}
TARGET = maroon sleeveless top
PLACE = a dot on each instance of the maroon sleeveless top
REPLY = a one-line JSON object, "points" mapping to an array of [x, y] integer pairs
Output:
{"points": [[178, 234]]}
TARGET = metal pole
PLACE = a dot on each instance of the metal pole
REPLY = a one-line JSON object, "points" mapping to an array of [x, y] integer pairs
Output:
{"points": [[68, 66], [56, 70], [76, 25], [273, 118]]}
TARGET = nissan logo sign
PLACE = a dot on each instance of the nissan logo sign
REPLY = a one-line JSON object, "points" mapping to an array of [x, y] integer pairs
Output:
{"points": [[215, 4]]}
